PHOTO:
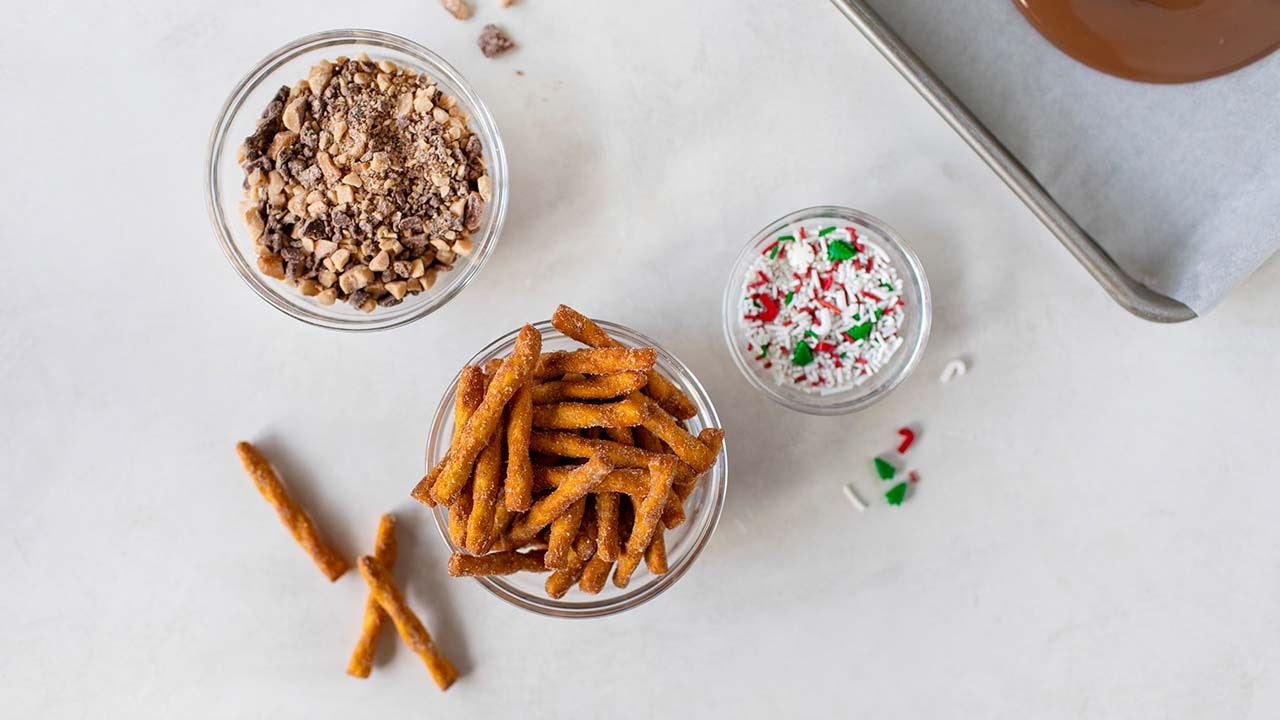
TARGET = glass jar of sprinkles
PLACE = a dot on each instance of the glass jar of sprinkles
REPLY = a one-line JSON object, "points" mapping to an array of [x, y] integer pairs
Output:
{"points": [[826, 310]]}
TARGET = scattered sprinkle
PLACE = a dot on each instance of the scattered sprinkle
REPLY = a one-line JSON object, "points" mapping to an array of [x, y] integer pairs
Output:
{"points": [[885, 470], [896, 494], [908, 437], [852, 493], [954, 369]]}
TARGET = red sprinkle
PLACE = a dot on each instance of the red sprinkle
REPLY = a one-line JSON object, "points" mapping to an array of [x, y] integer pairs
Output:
{"points": [[824, 347], [770, 311], [802, 378], [827, 304], [763, 278], [756, 284], [801, 232], [870, 263], [769, 249], [858, 264], [888, 309], [871, 296], [768, 365], [914, 478], [845, 290], [826, 282], [860, 361], [908, 437]]}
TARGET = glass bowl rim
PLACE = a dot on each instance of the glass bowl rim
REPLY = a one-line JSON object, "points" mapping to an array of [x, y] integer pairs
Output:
{"points": [[436, 66], [638, 594], [853, 399]]}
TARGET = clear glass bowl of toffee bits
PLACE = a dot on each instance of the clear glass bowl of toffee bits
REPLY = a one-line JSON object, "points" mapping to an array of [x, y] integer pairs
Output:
{"points": [[381, 206], [826, 310], [683, 543]]}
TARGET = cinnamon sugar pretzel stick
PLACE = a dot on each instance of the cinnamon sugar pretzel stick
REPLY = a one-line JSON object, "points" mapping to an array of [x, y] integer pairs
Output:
{"points": [[486, 485], [582, 480], [596, 361], [608, 541], [519, 481], [661, 423], [384, 548], [595, 574], [594, 387], [661, 474], [465, 401], [514, 372], [655, 556], [584, 330], [564, 531], [576, 559], [567, 444], [411, 629], [577, 416], [498, 563], [291, 514]]}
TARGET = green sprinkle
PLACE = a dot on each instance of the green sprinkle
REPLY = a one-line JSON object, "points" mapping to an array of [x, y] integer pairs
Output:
{"points": [[810, 333], [886, 286], [844, 356], [879, 313], [859, 332], [763, 351], [840, 250], [788, 299], [885, 470], [896, 494], [774, 252], [803, 355], [826, 231], [787, 238]]}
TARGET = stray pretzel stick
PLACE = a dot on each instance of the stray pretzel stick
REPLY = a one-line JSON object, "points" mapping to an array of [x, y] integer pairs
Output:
{"points": [[655, 557], [596, 361], [576, 560], [608, 541], [577, 416], [661, 423], [466, 400], [515, 371], [411, 629], [584, 330], [595, 387], [384, 548], [662, 472], [498, 563], [291, 514], [577, 484], [519, 482], [566, 444], [595, 574], [564, 530]]}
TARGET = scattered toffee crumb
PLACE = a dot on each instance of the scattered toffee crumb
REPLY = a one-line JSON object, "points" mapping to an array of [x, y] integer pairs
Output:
{"points": [[493, 42]]}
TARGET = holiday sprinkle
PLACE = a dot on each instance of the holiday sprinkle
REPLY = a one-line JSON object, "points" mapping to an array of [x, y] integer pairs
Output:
{"points": [[822, 306]]}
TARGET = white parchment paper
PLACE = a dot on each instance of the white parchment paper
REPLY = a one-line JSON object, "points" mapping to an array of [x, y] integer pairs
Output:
{"points": [[1179, 183]]}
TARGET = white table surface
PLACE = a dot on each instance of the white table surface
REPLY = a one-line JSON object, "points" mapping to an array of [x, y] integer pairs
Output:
{"points": [[1095, 533]]}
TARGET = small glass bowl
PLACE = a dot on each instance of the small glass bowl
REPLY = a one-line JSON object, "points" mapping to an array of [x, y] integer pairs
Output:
{"points": [[684, 543], [914, 330], [224, 177]]}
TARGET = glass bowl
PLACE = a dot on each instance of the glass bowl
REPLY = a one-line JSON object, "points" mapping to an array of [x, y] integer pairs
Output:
{"points": [[224, 177], [684, 543], [914, 329]]}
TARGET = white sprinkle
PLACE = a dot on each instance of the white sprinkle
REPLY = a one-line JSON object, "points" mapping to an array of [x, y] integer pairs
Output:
{"points": [[852, 493], [954, 369]]}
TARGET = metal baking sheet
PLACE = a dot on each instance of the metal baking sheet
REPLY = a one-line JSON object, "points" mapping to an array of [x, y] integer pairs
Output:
{"points": [[1128, 292]]}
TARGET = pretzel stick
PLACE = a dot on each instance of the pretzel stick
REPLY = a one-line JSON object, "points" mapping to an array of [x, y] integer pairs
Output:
{"points": [[486, 485], [584, 330], [291, 514], [629, 481], [661, 473], [384, 549], [576, 416], [411, 629], [514, 372], [498, 563], [595, 387], [566, 444], [577, 484], [465, 401], [596, 361], [661, 423], [575, 561], [519, 482], [655, 556], [564, 530], [594, 575], [713, 438], [608, 540]]}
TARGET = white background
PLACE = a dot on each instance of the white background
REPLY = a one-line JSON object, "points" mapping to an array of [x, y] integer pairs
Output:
{"points": [[1095, 533]]}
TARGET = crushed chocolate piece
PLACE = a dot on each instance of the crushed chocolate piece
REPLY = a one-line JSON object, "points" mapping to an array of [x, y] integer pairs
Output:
{"points": [[493, 42], [363, 165]]}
